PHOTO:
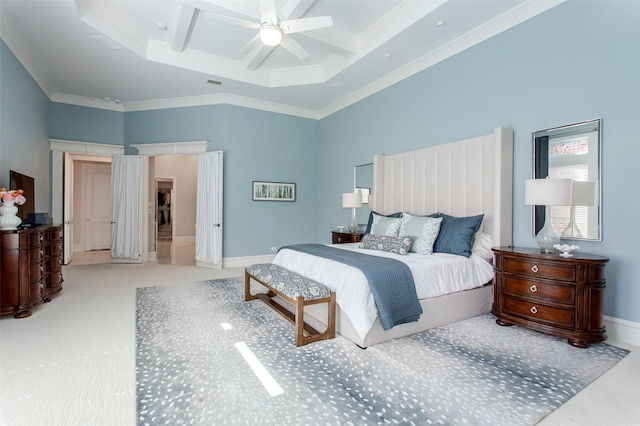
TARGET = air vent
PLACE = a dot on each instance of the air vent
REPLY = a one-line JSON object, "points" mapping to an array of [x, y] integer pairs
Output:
{"points": [[216, 82]]}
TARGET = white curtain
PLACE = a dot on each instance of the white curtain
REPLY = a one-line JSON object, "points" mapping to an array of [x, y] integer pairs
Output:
{"points": [[209, 210], [127, 196]]}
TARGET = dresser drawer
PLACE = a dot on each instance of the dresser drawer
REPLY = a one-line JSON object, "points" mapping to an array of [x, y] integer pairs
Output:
{"points": [[541, 269], [537, 312], [534, 289]]}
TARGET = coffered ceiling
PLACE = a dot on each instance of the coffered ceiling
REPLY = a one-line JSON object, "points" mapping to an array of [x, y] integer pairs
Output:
{"points": [[132, 55]]}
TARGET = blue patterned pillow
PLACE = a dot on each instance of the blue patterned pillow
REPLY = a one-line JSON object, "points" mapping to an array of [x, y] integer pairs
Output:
{"points": [[398, 245], [424, 228]]}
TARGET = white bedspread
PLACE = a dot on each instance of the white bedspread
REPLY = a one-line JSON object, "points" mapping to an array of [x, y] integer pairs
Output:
{"points": [[434, 275]]}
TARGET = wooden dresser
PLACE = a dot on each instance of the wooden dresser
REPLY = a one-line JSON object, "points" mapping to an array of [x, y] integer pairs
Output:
{"points": [[338, 237], [549, 293], [30, 268]]}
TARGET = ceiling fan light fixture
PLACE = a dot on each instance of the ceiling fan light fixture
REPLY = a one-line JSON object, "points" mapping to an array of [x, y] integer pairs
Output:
{"points": [[270, 34]]}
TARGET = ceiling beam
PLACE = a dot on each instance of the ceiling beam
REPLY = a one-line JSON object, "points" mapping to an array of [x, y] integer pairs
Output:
{"points": [[257, 57], [183, 19], [295, 9]]}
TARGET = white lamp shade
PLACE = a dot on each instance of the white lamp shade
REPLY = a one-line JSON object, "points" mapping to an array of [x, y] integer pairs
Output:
{"points": [[351, 200], [583, 193], [548, 192], [270, 35]]}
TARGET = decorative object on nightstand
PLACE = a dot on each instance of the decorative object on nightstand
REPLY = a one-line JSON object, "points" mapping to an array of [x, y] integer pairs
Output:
{"points": [[339, 237], [551, 294], [547, 192], [353, 201], [8, 201], [583, 194], [566, 249]]}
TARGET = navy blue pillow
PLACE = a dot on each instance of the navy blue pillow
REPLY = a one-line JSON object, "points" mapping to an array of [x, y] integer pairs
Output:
{"points": [[368, 230], [457, 234]]}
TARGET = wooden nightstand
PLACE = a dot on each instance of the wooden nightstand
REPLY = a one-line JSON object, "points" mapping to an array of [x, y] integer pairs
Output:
{"points": [[549, 293], [338, 237]]}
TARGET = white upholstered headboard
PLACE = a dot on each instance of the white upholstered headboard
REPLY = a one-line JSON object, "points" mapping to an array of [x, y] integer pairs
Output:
{"points": [[463, 178]]}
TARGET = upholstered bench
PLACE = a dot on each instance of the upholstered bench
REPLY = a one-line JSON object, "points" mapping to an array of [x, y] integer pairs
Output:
{"points": [[297, 290]]}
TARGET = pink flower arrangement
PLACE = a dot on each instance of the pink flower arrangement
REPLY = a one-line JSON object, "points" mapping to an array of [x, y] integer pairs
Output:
{"points": [[14, 195]]}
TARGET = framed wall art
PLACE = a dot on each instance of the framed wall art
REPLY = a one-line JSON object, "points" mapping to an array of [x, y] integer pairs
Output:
{"points": [[274, 191]]}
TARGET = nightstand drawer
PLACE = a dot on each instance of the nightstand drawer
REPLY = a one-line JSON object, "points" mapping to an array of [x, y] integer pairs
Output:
{"points": [[538, 312], [345, 237], [542, 291], [541, 269]]}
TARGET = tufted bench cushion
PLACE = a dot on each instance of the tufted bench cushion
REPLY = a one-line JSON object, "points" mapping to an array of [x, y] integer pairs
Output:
{"points": [[297, 290], [287, 282]]}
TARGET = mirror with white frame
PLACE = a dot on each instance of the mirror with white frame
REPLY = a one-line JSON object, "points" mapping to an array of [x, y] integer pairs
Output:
{"points": [[363, 184], [571, 151]]}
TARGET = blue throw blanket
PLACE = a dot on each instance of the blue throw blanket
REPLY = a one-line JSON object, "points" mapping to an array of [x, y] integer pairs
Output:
{"points": [[390, 280]]}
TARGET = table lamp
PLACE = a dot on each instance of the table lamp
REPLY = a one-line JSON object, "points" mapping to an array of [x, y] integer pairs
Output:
{"points": [[352, 200], [548, 192]]}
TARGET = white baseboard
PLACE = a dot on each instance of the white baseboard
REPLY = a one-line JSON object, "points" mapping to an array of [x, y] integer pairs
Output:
{"points": [[622, 330], [242, 262]]}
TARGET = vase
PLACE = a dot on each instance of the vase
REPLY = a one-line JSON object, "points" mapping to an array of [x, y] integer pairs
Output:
{"points": [[8, 218]]}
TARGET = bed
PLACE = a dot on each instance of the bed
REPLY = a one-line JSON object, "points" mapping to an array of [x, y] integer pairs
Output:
{"points": [[463, 179]]}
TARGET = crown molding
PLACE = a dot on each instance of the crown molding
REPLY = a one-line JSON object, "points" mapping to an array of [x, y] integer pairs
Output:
{"points": [[219, 99], [63, 98], [8, 36]]}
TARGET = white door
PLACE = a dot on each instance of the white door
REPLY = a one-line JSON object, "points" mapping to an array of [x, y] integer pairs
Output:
{"points": [[97, 203], [209, 210], [68, 208], [128, 198]]}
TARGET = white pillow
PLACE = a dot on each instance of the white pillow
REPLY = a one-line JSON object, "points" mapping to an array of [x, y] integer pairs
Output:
{"points": [[482, 244], [382, 225], [425, 230]]}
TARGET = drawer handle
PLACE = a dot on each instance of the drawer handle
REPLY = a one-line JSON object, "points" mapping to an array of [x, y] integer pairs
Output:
{"points": [[533, 288], [533, 310], [534, 268]]}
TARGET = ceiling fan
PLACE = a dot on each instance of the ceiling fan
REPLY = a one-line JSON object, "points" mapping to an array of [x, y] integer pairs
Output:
{"points": [[271, 31]]}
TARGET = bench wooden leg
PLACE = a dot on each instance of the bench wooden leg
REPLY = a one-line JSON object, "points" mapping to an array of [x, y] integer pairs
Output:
{"points": [[247, 287], [299, 322], [331, 320]]}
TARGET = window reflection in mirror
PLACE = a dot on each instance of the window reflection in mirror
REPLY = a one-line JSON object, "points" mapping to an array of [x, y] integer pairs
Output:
{"points": [[363, 184], [571, 151]]}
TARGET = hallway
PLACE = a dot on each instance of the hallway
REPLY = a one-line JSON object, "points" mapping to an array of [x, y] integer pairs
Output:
{"points": [[168, 252]]}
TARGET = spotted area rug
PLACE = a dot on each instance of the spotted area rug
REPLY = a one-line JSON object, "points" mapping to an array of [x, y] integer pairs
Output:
{"points": [[189, 369]]}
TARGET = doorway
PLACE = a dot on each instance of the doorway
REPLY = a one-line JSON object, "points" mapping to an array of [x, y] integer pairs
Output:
{"points": [[164, 209], [90, 212]]}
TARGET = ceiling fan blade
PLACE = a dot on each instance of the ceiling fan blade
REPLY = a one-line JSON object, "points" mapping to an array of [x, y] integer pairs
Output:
{"points": [[233, 21], [252, 45], [268, 11], [306, 24], [292, 46]]}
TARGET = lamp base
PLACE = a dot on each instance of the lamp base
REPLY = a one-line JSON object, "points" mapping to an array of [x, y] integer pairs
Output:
{"points": [[353, 226], [547, 237]]}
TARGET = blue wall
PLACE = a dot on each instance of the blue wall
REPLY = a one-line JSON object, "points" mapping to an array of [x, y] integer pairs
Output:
{"points": [[24, 128], [257, 145], [575, 62], [77, 123]]}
